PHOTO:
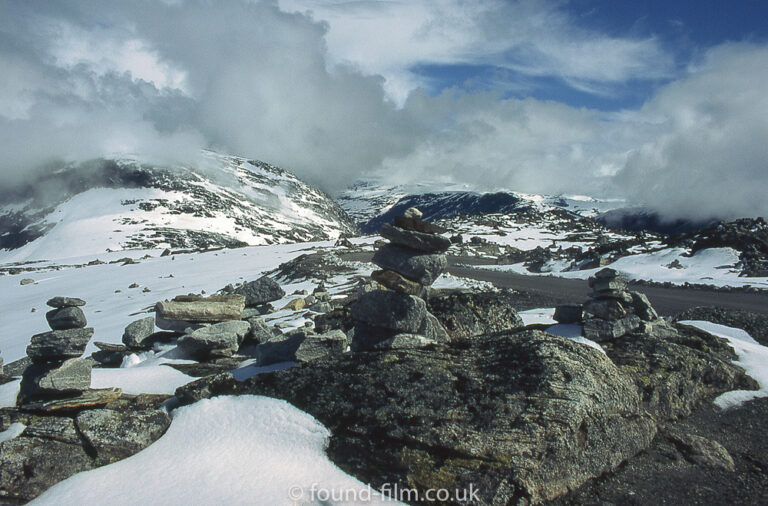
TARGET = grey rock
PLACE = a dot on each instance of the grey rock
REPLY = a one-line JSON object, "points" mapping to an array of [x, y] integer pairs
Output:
{"points": [[218, 340], [70, 377], [259, 332], [199, 310], [31, 465], [403, 342], [66, 318], [466, 314], [116, 435], [423, 268], [261, 291], [569, 313], [600, 330], [430, 243], [301, 346], [57, 428], [412, 212], [137, 332], [178, 326], [59, 302], [607, 309], [58, 344], [701, 450], [641, 306], [397, 282], [525, 417], [433, 330], [111, 347], [607, 284], [26, 281], [622, 296], [320, 307], [391, 310]]}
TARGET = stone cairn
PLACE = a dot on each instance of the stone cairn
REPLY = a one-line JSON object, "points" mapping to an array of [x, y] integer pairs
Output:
{"points": [[612, 311], [396, 316], [58, 379]]}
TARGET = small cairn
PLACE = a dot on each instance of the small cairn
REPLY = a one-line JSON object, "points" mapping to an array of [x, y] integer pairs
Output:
{"points": [[58, 379], [612, 311], [396, 316]]}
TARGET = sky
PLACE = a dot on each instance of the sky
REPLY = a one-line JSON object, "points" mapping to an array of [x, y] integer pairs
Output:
{"points": [[658, 102]]}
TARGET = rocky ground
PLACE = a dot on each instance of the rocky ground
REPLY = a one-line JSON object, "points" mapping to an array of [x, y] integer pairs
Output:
{"points": [[421, 388]]}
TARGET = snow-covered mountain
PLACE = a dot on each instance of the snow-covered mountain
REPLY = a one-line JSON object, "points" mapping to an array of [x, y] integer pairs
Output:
{"points": [[119, 204]]}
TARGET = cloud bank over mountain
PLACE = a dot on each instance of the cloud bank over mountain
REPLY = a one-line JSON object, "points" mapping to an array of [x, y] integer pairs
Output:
{"points": [[332, 90]]}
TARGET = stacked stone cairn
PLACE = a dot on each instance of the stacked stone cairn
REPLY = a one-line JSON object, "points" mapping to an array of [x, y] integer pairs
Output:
{"points": [[58, 379], [395, 315], [612, 311]]}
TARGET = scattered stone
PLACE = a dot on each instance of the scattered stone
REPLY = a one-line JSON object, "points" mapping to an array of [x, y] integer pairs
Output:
{"points": [[114, 435], [133, 285], [218, 340], [403, 342], [60, 302], [295, 304], [260, 332], [429, 243], [569, 313], [58, 344], [147, 290], [26, 281], [701, 450], [66, 318], [321, 307], [412, 212], [261, 291], [136, 334], [166, 252]]}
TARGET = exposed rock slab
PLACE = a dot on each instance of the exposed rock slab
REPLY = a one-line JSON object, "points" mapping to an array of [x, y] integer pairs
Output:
{"points": [[88, 399], [218, 340], [202, 309], [523, 417], [466, 314], [115, 435], [260, 291]]}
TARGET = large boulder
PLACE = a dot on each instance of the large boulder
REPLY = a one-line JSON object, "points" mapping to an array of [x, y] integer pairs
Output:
{"points": [[422, 268], [58, 344], [522, 418], [466, 314], [261, 291], [218, 340], [429, 243], [66, 318]]}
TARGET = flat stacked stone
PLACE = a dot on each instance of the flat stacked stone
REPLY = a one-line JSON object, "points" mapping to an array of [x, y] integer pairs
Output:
{"points": [[612, 311], [58, 379], [396, 316], [194, 311]]}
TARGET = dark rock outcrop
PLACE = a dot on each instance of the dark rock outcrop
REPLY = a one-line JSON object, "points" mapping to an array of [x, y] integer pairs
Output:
{"points": [[261, 291], [522, 417], [466, 314]]}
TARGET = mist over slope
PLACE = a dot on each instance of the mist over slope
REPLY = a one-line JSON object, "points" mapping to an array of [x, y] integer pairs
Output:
{"points": [[118, 204]]}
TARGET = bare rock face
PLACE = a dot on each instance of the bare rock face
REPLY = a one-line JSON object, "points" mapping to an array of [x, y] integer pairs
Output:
{"points": [[466, 314], [523, 417], [181, 312]]}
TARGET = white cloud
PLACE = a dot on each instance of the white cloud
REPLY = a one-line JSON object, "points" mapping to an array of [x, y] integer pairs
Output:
{"points": [[532, 37]]}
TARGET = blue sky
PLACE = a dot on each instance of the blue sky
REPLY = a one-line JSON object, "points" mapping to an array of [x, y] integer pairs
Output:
{"points": [[657, 102], [683, 29]]}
